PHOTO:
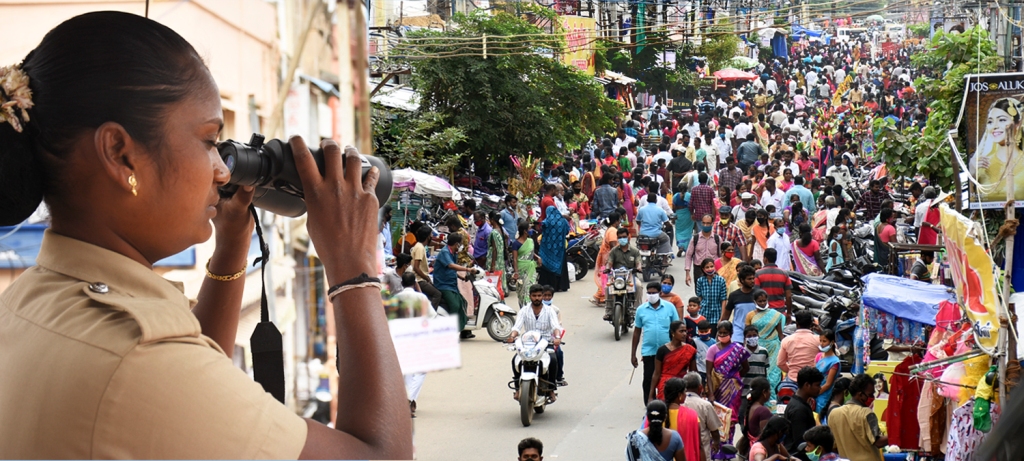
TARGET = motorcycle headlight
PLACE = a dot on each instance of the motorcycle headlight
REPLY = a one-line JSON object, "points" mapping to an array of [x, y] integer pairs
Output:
{"points": [[532, 353], [620, 284]]}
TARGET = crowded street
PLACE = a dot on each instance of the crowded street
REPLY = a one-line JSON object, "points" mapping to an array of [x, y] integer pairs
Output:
{"points": [[468, 413]]}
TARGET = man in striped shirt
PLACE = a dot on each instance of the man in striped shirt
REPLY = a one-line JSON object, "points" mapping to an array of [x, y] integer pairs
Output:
{"points": [[776, 283], [543, 319]]}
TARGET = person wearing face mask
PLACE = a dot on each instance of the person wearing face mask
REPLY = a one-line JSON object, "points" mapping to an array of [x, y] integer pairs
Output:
{"points": [[446, 281], [819, 445], [726, 365], [538, 317], [726, 231], [828, 364], [653, 319], [855, 426], [740, 302], [768, 324], [705, 245], [885, 234], [668, 282], [761, 230], [727, 265], [549, 301], [758, 360], [781, 244], [673, 359], [622, 256]]}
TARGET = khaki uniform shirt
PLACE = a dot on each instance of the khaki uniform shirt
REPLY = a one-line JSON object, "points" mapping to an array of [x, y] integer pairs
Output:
{"points": [[103, 358], [855, 428]]}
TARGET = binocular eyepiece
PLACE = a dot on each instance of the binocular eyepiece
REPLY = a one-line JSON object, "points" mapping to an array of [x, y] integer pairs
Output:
{"points": [[270, 168]]}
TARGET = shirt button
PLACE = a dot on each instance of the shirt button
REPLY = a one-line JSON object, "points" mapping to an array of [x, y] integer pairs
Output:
{"points": [[99, 287]]}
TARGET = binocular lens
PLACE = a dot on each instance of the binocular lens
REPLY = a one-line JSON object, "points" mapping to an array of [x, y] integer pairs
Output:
{"points": [[270, 168]]}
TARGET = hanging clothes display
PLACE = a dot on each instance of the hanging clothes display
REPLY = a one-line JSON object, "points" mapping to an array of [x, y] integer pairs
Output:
{"points": [[889, 326], [963, 439], [931, 419], [901, 413]]}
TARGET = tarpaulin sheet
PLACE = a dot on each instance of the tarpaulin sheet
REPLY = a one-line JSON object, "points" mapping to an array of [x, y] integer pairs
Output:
{"points": [[909, 299]]}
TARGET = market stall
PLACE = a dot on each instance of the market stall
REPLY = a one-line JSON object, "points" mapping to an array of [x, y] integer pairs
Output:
{"points": [[415, 193]]}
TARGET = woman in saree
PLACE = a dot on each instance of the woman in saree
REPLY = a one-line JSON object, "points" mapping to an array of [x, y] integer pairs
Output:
{"points": [[761, 132], [684, 221], [769, 331], [525, 260], [673, 360], [607, 244], [761, 230], [553, 270], [807, 253], [726, 265], [726, 365], [496, 247], [588, 182]]}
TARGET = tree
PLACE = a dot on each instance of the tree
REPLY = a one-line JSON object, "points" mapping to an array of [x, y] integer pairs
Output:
{"points": [[420, 141], [719, 46], [515, 100], [926, 151]]}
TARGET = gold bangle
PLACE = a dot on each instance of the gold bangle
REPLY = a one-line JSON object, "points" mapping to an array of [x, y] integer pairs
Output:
{"points": [[224, 278]]}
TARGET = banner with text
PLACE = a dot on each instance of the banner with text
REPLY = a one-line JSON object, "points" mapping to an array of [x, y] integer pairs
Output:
{"points": [[992, 112], [580, 34]]}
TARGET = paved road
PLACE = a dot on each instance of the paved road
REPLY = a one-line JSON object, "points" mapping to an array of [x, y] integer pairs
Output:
{"points": [[469, 414]]}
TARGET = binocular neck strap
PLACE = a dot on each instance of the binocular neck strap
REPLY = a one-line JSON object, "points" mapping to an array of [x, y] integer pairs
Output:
{"points": [[266, 343]]}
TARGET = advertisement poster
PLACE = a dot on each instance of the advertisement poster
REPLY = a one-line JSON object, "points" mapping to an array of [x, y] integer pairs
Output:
{"points": [[973, 275], [580, 34], [992, 113]]}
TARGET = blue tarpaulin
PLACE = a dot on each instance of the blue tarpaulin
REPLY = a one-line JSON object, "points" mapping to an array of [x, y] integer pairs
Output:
{"points": [[779, 46], [798, 31], [909, 299]]}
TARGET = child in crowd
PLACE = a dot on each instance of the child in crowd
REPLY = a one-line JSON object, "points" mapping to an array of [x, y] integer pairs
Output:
{"points": [[702, 342], [693, 316]]}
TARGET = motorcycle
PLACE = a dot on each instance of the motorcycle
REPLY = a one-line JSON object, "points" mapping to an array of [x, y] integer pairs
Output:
{"points": [[582, 253], [491, 311], [532, 359], [652, 262], [622, 296]]}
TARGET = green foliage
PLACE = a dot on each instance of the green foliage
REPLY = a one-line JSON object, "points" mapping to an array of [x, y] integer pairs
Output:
{"points": [[422, 141], [515, 101], [920, 30], [720, 46], [927, 152]]}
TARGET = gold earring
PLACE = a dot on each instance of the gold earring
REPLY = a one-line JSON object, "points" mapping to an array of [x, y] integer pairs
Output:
{"points": [[133, 182]]}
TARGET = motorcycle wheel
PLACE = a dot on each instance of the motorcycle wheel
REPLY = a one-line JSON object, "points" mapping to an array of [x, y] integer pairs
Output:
{"points": [[581, 265], [617, 320], [526, 392], [500, 327]]}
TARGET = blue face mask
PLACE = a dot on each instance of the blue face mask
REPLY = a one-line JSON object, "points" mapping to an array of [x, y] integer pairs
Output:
{"points": [[780, 231], [666, 288], [705, 228], [721, 135], [623, 241], [547, 302]]}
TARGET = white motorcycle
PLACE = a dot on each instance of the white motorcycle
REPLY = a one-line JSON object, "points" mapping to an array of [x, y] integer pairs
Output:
{"points": [[533, 359], [491, 311]]}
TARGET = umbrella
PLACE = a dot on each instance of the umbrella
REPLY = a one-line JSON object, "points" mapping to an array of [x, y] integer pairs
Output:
{"points": [[743, 62], [726, 75], [875, 18]]}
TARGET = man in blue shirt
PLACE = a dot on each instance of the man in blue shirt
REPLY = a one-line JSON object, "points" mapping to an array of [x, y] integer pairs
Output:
{"points": [[651, 217], [652, 321], [446, 280], [806, 197], [606, 199], [510, 218], [483, 232]]}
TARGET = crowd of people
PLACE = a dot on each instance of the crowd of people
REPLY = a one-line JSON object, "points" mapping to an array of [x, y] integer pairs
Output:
{"points": [[744, 189]]}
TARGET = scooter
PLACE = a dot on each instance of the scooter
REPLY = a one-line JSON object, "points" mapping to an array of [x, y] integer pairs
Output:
{"points": [[622, 296], [491, 311], [533, 357], [652, 262], [579, 252]]}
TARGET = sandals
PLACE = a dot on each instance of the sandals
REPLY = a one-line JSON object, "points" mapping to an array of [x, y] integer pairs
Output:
{"points": [[551, 398]]}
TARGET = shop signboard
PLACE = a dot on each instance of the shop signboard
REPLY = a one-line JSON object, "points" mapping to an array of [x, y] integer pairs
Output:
{"points": [[992, 118], [580, 34], [973, 275]]}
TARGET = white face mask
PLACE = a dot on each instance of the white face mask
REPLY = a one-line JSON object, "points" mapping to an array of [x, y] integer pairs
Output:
{"points": [[762, 308], [653, 298], [752, 341]]}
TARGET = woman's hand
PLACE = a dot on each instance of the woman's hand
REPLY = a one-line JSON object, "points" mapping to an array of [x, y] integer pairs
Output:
{"points": [[233, 221], [342, 210]]}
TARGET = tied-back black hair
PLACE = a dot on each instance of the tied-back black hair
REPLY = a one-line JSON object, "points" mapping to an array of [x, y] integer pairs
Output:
{"points": [[92, 69]]}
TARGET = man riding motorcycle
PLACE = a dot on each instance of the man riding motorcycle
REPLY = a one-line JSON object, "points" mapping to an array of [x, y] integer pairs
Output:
{"points": [[542, 318], [651, 218], [622, 256]]}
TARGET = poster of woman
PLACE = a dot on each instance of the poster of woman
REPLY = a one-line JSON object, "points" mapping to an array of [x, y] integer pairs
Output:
{"points": [[993, 112]]}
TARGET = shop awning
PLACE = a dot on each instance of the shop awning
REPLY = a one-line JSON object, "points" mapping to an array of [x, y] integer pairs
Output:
{"points": [[397, 97], [909, 299]]}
